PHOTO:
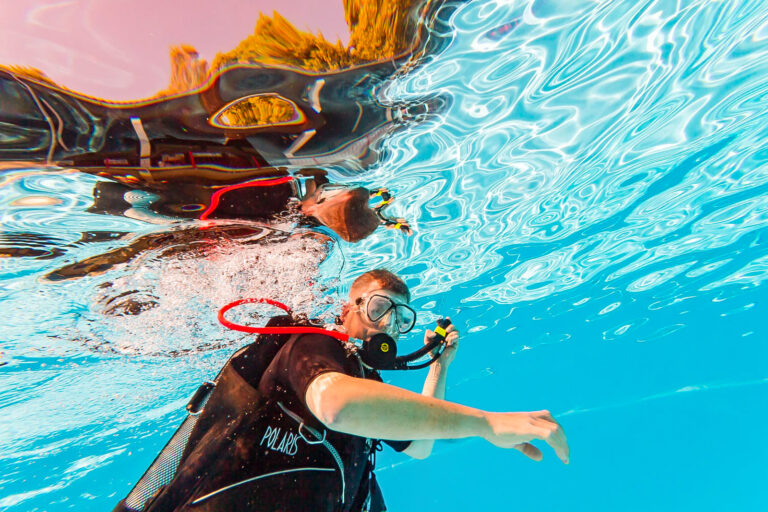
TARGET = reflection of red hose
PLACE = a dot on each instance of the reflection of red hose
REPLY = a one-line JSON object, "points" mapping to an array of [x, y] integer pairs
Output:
{"points": [[262, 183], [273, 330]]}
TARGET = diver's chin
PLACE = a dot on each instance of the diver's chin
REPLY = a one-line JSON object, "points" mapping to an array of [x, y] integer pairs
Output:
{"points": [[375, 332]]}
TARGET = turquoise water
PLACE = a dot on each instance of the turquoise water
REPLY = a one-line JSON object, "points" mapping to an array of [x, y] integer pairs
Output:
{"points": [[590, 210]]}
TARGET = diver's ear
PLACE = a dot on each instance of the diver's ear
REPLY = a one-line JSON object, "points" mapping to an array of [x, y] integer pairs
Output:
{"points": [[344, 311], [309, 207]]}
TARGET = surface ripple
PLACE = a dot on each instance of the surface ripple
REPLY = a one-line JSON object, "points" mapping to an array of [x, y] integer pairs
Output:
{"points": [[615, 136]]}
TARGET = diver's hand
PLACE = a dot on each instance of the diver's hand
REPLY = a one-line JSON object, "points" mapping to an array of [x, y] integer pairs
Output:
{"points": [[451, 344], [381, 191], [401, 225], [515, 429]]}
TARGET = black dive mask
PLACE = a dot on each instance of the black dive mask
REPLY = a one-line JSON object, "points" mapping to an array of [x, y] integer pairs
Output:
{"points": [[380, 350]]}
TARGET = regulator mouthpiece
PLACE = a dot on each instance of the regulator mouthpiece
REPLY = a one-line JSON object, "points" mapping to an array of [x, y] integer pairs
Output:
{"points": [[379, 352]]}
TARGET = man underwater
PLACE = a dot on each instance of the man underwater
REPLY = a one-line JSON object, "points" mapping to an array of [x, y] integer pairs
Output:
{"points": [[294, 424]]}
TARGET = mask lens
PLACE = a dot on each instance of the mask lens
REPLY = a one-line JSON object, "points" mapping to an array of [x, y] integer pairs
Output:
{"points": [[378, 307], [406, 318], [328, 192]]}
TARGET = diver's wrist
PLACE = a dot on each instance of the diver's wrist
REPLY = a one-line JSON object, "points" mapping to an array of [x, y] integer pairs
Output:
{"points": [[480, 424], [437, 370], [433, 381], [484, 428]]}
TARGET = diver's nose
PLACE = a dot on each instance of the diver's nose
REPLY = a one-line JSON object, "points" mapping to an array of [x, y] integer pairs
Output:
{"points": [[390, 322]]}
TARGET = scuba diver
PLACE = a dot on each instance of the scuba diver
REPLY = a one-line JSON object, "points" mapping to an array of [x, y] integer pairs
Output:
{"points": [[293, 421], [344, 209]]}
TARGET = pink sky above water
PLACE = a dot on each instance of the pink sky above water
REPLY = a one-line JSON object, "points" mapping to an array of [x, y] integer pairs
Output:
{"points": [[118, 49]]}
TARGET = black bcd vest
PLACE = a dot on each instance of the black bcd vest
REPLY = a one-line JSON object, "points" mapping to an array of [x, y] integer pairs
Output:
{"points": [[248, 452]]}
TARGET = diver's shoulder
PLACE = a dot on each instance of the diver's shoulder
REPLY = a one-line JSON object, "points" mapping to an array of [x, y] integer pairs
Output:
{"points": [[280, 321]]}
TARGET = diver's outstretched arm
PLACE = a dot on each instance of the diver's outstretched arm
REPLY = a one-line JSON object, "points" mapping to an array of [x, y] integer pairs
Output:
{"points": [[373, 409]]}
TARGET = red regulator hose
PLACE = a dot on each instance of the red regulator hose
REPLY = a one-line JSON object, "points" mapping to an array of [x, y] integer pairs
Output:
{"points": [[216, 197], [273, 330]]}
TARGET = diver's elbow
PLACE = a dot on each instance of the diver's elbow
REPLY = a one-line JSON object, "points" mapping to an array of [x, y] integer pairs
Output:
{"points": [[420, 455], [328, 416], [419, 449], [323, 403]]}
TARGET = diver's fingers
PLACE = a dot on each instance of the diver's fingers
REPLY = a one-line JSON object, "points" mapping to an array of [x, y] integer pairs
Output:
{"points": [[529, 451], [565, 453], [404, 226], [400, 225], [551, 432], [428, 337]]}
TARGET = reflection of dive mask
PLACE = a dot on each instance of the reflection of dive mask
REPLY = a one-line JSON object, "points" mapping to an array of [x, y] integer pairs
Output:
{"points": [[380, 350], [328, 191]]}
